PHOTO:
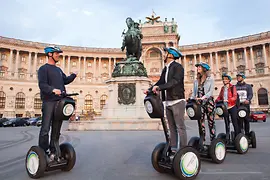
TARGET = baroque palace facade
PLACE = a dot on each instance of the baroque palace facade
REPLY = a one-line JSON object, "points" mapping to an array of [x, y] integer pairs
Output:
{"points": [[20, 60]]}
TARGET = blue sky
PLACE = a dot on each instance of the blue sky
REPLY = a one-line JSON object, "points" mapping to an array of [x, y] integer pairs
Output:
{"points": [[94, 23]]}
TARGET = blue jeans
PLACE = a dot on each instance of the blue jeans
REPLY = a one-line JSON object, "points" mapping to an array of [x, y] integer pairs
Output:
{"points": [[48, 120]]}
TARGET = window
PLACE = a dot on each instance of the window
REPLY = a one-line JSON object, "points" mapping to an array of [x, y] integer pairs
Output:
{"points": [[89, 64], [74, 63], [23, 59], [260, 70], [154, 54], [2, 99], [262, 96], [20, 101], [3, 57], [239, 56], [88, 102], [103, 99], [37, 102], [259, 53], [2, 73], [41, 61]]}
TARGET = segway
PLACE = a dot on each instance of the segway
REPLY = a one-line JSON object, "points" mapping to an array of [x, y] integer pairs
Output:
{"points": [[61, 156], [238, 143], [242, 114], [216, 150], [185, 163]]}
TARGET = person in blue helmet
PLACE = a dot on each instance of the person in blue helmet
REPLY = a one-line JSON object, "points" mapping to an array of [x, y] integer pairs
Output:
{"points": [[203, 89], [171, 85], [51, 82], [245, 93], [228, 95]]}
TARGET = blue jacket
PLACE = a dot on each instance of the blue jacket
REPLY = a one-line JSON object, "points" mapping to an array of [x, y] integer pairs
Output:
{"points": [[209, 86]]}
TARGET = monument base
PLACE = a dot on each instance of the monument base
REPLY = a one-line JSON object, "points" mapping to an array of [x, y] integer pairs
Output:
{"points": [[116, 125]]}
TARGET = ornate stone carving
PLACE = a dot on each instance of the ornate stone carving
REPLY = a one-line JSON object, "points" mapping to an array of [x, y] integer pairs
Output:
{"points": [[126, 93]]}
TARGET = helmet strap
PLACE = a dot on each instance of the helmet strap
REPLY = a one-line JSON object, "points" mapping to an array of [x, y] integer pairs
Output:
{"points": [[52, 58]]}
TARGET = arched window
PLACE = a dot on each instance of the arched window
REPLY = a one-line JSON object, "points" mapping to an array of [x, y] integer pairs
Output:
{"points": [[88, 102], [103, 99], [2, 99], [37, 101], [262, 96], [20, 101]]}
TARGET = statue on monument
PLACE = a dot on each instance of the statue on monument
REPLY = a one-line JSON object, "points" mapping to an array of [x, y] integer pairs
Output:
{"points": [[132, 40], [131, 66]]}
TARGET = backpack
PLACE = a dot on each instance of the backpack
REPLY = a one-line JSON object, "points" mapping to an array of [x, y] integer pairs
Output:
{"points": [[237, 99]]}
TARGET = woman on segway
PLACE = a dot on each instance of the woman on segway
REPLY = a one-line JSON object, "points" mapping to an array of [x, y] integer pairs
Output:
{"points": [[228, 95], [203, 93]]}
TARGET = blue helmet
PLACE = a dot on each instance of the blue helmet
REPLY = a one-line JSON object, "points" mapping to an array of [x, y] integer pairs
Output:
{"points": [[204, 65], [175, 52], [226, 75], [241, 74], [52, 49]]}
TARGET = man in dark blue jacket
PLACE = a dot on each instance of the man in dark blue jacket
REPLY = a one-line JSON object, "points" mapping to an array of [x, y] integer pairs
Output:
{"points": [[51, 82], [245, 94]]}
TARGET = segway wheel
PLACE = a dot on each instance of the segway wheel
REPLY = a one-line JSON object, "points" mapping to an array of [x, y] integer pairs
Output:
{"points": [[187, 163], [35, 162], [221, 136], [253, 139], [68, 152], [156, 157], [194, 142], [241, 143], [217, 151]]}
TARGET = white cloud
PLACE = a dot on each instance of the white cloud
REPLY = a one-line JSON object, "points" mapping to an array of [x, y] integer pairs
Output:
{"points": [[88, 13]]}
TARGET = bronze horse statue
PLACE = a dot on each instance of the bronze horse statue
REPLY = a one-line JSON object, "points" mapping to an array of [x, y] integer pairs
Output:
{"points": [[132, 40]]}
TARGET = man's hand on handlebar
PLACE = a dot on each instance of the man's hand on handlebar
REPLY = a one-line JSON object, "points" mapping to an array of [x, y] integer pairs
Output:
{"points": [[155, 89], [57, 92]]}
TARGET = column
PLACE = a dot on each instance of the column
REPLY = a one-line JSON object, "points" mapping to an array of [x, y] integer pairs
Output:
{"points": [[10, 63], [99, 67], [246, 62], [228, 61], [79, 72], [29, 65], [63, 63], [47, 59], [195, 62], [110, 67], [68, 71], [17, 64], [234, 63], [185, 65], [265, 60], [252, 62], [217, 65], [84, 69], [211, 61], [200, 57], [35, 66], [95, 67]]}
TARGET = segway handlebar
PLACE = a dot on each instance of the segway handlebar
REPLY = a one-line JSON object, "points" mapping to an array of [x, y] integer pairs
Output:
{"points": [[64, 94]]}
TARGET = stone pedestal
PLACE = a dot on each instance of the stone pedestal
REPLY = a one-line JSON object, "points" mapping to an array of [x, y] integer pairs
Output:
{"points": [[124, 109]]}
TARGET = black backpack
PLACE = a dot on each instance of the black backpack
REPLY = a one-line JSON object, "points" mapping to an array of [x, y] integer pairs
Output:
{"points": [[237, 99]]}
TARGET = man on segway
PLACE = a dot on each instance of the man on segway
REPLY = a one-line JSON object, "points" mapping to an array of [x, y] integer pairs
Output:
{"points": [[51, 82], [228, 95], [171, 84], [245, 93]]}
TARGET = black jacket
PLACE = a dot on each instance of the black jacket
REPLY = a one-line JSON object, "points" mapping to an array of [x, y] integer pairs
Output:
{"points": [[240, 87], [175, 82]]}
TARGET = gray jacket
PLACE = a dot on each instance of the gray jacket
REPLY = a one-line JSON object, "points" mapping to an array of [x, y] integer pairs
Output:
{"points": [[209, 86]]}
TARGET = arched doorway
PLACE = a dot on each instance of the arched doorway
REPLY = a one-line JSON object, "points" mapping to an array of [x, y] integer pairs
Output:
{"points": [[262, 96]]}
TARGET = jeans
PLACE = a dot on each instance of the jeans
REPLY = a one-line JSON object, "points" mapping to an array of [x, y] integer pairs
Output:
{"points": [[175, 116], [48, 120]]}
